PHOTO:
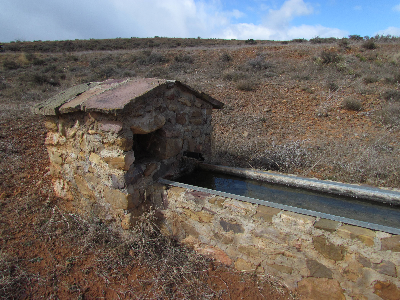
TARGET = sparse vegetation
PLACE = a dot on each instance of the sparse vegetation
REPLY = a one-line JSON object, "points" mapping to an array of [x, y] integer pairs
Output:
{"points": [[284, 111]]}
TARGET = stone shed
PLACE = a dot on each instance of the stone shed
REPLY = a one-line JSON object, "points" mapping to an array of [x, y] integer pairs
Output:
{"points": [[109, 142]]}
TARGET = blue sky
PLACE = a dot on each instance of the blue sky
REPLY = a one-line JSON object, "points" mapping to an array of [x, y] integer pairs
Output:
{"points": [[236, 19]]}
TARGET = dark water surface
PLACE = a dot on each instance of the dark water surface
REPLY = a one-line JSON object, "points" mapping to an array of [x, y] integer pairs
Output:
{"points": [[353, 208]]}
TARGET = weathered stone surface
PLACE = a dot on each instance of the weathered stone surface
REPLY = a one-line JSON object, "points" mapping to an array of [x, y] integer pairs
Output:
{"points": [[224, 238], [126, 221], [118, 182], [353, 232], [181, 118], [55, 138], [61, 189], [201, 216], [96, 159], [217, 201], [150, 168], [243, 265], [364, 261], [320, 289], [147, 124], [282, 268], [226, 226], [318, 270], [391, 243], [327, 225], [51, 125], [111, 126], [266, 213], [124, 144], [55, 155], [83, 187], [294, 219], [176, 192], [327, 249], [353, 271], [249, 250], [386, 267], [117, 199], [387, 290], [213, 252], [240, 207], [122, 162]]}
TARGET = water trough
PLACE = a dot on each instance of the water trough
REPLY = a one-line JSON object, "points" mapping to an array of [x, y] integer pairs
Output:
{"points": [[363, 206]]}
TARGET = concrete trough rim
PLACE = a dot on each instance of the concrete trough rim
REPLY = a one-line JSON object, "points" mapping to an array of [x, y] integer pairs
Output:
{"points": [[386, 196]]}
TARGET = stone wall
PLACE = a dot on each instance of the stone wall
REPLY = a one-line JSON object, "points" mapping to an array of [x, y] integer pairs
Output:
{"points": [[323, 259], [104, 163]]}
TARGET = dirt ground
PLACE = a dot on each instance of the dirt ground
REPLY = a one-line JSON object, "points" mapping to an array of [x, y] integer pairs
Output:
{"points": [[329, 111]]}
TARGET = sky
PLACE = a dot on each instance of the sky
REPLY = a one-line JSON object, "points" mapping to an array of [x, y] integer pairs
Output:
{"points": [[28, 20]]}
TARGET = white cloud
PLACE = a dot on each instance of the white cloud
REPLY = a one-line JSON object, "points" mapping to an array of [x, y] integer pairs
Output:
{"points": [[289, 10], [76, 19], [396, 8], [394, 31]]}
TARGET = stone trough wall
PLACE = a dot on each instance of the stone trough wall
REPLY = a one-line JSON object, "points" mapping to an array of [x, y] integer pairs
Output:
{"points": [[323, 259], [105, 162]]}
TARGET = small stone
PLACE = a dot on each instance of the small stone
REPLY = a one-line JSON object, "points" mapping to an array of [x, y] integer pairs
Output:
{"points": [[391, 243], [181, 118], [126, 222], [386, 268], [243, 265], [147, 124], [226, 226], [83, 187], [318, 270], [266, 213], [364, 261], [353, 232], [218, 201], [320, 289], [118, 199], [51, 125], [281, 268], [250, 251], [190, 230], [96, 159], [327, 249], [387, 290], [327, 225], [201, 216]]}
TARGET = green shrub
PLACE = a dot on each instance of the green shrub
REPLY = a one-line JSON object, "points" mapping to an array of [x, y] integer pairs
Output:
{"points": [[352, 104], [328, 57], [369, 45]]}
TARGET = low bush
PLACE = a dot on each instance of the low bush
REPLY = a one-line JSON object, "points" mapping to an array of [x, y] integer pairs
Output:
{"points": [[369, 45], [328, 57], [392, 95], [352, 104], [370, 79], [390, 114], [245, 85], [259, 64], [225, 57], [11, 65], [184, 59]]}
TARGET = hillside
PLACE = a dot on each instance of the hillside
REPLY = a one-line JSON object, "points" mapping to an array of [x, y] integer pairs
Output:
{"points": [[324, 108]]}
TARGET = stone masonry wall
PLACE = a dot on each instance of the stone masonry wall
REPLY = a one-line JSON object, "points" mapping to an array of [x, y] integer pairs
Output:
{"points": [[93, 156], [323, 259]]}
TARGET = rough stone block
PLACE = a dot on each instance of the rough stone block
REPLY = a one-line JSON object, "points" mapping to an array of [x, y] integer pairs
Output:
{"points": [[201, 216], [318, 270], [243, 265], [83, 187], [181, 118], [387, 290], [176, 192], [226, 226], [302, 221], [55, 156], [125, 144], [281, 268], [55, 138], [110, 126], [218, 201], [250, 251], [118, 199], [319, 289], [266, 213], [51, 125], [386, 267], [96, 159], [239, 207], [327, 225], [147, 124], [353, 232], [327, 249], [391, 243], [122, 162], [353, 271]]}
